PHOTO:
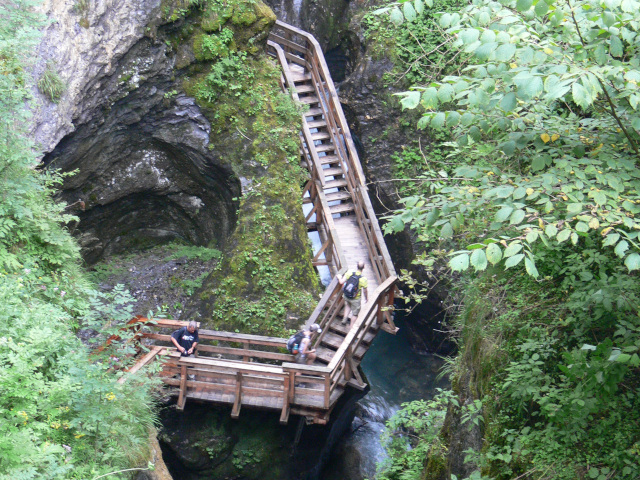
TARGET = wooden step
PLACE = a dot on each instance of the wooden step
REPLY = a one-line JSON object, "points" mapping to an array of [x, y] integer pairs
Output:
{"points": [[335, 196], [316, 124], [320, 136], [313, 112], [305, 88], [342, 208], [332, 172], [324, 354], [340, 182], [325, 147], [342, 331], [309, 100], [298, 77], [329, 159], [332, 340]]}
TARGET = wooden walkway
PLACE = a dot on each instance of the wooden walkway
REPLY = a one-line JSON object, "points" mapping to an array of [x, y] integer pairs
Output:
{"points": [[257, 371]]}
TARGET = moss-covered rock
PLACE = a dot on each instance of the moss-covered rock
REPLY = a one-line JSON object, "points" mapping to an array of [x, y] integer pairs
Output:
{"points": [[266, 274]]}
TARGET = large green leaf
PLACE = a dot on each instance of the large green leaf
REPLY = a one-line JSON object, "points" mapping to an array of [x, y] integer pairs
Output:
{"points": [[409, 12], [563, 235], [615, 46], [551, 230], [632, 262], [438, 120], [512, 249], [469, 35], [621, 248], [494, 253], [508, 102], [430, 98], [530, 266], [524, 5], [517, 217], [611, 239], [513, 261], [446, 231], [459, 262], [600, 198], [446, 93], [580, 95], [410, 100], [396, 16], [479, 260], [503, 214], [396, 224]]}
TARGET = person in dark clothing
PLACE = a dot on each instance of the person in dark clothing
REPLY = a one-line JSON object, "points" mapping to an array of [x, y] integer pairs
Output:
{"points": [[186, 339]]}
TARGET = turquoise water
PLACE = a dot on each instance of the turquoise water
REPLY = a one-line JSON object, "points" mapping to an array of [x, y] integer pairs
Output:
{"points": [[396, 374]]}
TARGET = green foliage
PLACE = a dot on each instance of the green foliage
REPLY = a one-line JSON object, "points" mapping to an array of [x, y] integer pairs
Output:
{"points": [[415, 60], [228, 75], [192, 252], [50, 83], [410, 436], [62, 414], [216, 45], [562, 136], [551, 398], [542, 178]]}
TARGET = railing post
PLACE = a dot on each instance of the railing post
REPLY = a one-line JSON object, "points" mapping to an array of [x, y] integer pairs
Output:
{"points": [[235, 411], [327, 389], [348, 372], [182, 398], [286, 399]]}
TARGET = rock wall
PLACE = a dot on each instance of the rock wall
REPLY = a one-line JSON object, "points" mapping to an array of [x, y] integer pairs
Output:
{"points": [[175, 125]]}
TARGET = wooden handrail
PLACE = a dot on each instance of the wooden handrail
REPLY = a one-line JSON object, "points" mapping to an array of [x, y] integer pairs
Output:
{"points": [[364, 313], [311, 55]]}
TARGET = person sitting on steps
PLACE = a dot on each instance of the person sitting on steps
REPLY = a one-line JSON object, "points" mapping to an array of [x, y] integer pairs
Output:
{"points": [[353, 293]]}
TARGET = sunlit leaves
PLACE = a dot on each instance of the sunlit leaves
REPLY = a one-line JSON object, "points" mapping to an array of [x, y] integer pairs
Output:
{"points": [[537, 98]]}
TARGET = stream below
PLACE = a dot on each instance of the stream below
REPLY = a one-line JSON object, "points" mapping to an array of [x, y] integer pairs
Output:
{"points": [[396, 374]]}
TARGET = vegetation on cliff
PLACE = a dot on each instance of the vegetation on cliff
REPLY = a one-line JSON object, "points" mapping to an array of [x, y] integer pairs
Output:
{"points": [[265, 281], [536, 202], [62, 414]]}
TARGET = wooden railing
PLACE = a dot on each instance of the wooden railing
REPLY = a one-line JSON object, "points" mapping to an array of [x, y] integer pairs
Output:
{"points": [[324, 225]]}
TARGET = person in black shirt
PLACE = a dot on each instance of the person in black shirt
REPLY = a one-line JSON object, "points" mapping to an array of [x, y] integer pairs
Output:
{"points": [[186, 339]]}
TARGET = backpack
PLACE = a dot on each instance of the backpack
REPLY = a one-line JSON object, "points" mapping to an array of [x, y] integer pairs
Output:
{"points": [[293, 344], [350, 288]]}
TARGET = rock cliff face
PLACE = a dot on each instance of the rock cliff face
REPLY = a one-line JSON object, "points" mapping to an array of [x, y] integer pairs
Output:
{"points": [[175, 125], [139, 145], [84, 41]]}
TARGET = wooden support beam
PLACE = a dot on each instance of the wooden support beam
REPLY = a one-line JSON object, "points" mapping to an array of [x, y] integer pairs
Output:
{"points": [[327, 390], [286, 400], [235, 411], [182, 398], [348, 366]]}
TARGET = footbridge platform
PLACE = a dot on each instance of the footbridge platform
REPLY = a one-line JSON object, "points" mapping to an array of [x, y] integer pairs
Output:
{"points": [[252, 371]]}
